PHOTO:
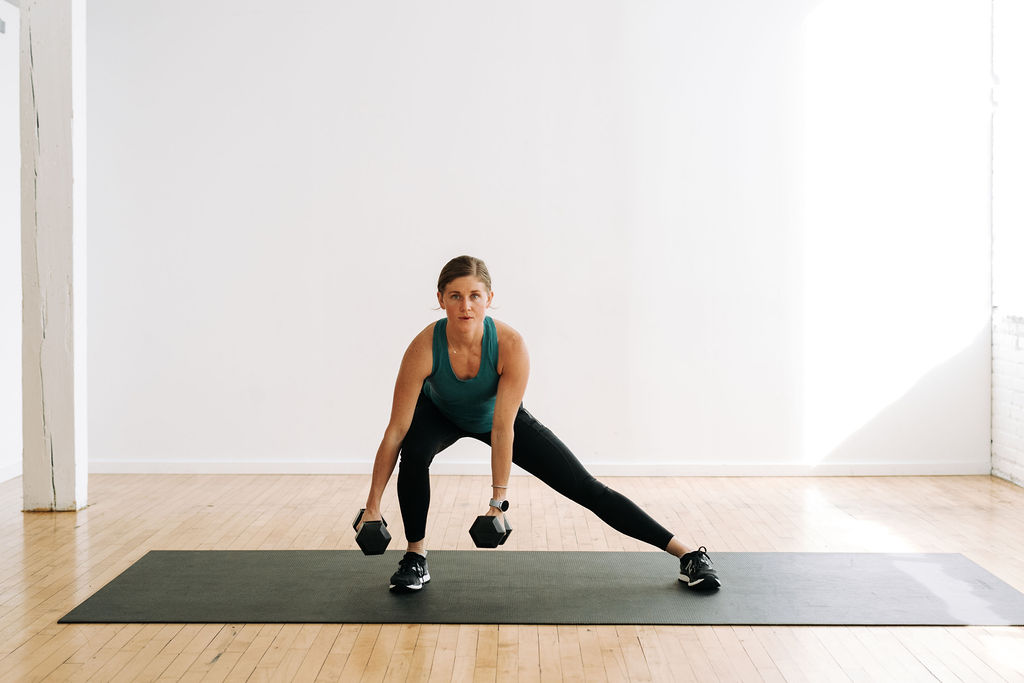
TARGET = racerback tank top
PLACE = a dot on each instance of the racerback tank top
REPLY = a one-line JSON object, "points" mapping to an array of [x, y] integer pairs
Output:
{"points": [[468, 403]]}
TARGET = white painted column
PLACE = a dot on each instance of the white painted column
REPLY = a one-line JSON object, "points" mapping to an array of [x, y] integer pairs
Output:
{"points": [[53, 239]]}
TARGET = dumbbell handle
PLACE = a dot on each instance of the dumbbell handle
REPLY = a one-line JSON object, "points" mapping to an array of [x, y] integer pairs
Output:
{"points": [[355, 522], [508, 531]]}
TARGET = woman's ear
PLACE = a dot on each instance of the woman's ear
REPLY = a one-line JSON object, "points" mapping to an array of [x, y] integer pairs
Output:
{"points": [[440, 300]]}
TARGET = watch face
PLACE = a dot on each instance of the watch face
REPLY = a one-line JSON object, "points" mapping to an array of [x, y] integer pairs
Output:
{"points": [[504, 506]]}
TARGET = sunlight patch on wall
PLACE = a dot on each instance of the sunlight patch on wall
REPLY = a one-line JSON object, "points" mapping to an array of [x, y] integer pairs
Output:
{"points": [[895, 203]]}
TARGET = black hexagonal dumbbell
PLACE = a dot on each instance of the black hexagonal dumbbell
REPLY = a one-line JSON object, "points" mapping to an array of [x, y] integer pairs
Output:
{"points": [[373, 537], [489, 532]]}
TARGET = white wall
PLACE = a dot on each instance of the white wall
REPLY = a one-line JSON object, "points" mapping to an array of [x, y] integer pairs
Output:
{"points": [[1008, 244], [10, 248], [739, 237]]}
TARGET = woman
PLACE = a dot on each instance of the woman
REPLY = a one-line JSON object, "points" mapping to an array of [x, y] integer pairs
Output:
{"points": [[465, 375]]}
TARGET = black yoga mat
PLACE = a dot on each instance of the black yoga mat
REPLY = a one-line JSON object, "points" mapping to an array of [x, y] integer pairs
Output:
{"points": [[520, 587]]}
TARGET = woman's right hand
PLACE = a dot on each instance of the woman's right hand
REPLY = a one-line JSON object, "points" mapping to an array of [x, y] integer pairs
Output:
{"points": [[370, 515]]}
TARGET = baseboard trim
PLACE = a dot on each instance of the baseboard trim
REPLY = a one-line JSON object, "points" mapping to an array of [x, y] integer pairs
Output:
{"points": [[596, 468]]}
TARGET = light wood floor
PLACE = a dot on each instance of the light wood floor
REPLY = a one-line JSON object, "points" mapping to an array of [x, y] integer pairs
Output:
{"points": [[50, 562]]}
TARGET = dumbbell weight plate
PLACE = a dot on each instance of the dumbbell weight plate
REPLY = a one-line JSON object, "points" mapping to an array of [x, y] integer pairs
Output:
{"points": [[489, 532], [373, 537]]}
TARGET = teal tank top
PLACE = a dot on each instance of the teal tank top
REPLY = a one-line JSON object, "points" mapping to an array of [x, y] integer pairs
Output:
{"points": [[468, 403]]}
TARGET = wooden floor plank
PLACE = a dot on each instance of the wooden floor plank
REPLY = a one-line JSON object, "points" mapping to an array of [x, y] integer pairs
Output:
{"points": [[528, 653], [245, 664], [442, 666], [224, 662], [334, 666], [465, 653], [423, 653], [314, 655]]}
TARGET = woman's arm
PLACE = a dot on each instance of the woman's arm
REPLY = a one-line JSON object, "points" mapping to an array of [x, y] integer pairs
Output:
{"points": [[514, 368], [416, 367]]}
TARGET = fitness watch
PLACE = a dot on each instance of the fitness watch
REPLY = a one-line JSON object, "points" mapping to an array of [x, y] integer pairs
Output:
{"points": [[500, 504]]}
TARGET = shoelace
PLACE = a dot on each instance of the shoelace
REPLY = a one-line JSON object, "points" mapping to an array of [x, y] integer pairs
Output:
{"points": [[410, 560], [702, 558]]}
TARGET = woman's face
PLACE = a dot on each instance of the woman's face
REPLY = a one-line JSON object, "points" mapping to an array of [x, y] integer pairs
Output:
{"points": [[465, 300]]}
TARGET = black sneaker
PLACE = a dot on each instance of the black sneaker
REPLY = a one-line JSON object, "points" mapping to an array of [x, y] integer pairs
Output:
{"points": [[697, 572], [411, 575]]}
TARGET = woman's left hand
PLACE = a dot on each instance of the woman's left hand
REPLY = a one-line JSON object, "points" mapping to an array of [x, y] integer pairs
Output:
{"points": [[493, 512]]}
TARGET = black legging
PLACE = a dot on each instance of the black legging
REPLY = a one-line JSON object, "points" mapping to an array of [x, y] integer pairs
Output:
{"points": [[537, 450]]}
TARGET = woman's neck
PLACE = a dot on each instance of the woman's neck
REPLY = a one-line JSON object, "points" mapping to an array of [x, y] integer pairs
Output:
{"points": [[463, 340]]}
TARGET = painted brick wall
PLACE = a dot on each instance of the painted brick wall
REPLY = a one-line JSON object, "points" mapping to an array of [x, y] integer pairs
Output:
{"points": [[1008, 397]]}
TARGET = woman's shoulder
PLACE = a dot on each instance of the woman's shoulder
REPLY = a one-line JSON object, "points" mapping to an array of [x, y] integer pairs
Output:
{"points": [[507, 334], [426, 335], [419, 357], [423, 342], [511, 348]]}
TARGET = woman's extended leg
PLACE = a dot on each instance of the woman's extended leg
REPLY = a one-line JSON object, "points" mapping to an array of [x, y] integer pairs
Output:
{"points": [[537, 450]]}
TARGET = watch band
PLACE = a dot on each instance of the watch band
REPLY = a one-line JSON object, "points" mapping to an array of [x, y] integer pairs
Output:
{"points": [[500, 504]]}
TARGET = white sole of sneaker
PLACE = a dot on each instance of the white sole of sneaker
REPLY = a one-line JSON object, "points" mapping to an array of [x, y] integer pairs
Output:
{"points": [[404, 589], [426, 578], [696, 584]]}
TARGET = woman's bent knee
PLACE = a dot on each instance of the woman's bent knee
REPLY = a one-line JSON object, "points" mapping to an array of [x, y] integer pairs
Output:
{"points": [[414, 461]]}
